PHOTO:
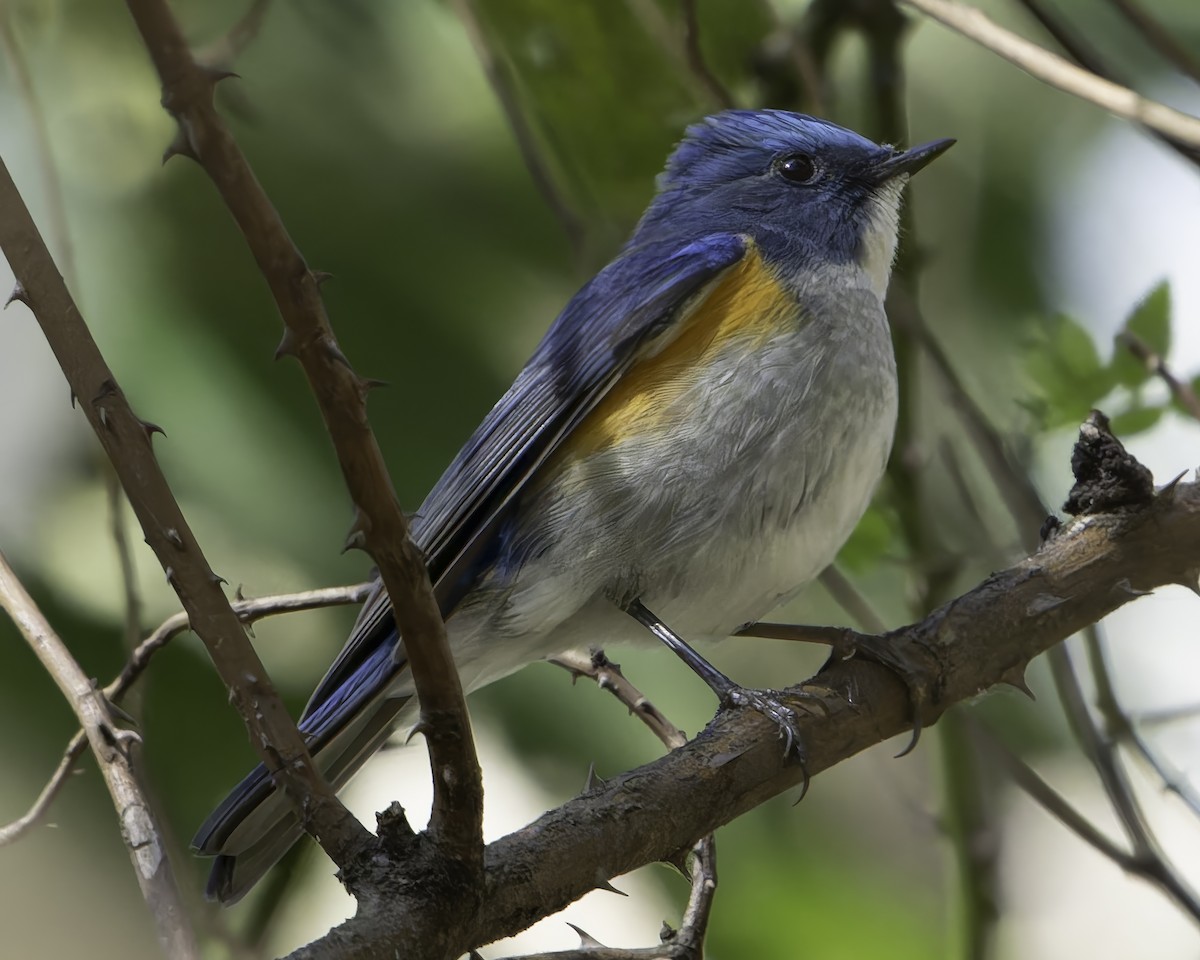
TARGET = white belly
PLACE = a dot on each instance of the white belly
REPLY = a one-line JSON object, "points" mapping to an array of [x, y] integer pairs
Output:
{"points": [[712, 523]]}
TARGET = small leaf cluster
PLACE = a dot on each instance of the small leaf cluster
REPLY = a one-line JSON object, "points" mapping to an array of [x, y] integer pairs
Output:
{"points": [[1070, 378]]}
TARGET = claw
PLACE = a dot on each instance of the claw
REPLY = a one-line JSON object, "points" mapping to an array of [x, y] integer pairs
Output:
{"points": [[782, 716], [916, 676], [916, 735]]}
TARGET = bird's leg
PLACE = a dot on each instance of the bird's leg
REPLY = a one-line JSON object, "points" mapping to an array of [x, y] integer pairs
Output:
{"points": [[730, 693]]}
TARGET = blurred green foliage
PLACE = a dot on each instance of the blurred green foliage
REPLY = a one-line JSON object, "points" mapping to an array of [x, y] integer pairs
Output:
{"points": [[377, 135]]}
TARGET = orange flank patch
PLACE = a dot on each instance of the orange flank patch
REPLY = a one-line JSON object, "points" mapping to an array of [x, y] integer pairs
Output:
{"points": [[746, 303]]}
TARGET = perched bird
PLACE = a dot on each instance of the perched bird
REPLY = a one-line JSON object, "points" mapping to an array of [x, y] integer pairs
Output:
{"points": [[692, 441]]}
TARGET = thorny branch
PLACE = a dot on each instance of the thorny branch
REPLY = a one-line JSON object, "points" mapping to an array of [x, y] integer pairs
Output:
{"points": [[126, 440], [248, 611], [1092, 566], [1181, 390], [1149, 863], [686, 943], [380, 528], [115, 751]]}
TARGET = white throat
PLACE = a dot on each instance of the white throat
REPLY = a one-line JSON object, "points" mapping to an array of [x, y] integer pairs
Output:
{"points": [[880, 234]]}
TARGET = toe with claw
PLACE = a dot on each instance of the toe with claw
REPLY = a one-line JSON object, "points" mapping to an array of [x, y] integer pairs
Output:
{"points": [[915, 670]]}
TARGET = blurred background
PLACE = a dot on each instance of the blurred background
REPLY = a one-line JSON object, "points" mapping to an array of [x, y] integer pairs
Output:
{"points": [[379, 135]]}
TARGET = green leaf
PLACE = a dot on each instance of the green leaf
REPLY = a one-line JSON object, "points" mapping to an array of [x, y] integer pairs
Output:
{"points": [[1137, 420], [1126, 369], [1066, 367], [1150, 320]]}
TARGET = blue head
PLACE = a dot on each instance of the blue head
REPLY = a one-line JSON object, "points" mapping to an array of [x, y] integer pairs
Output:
{"points": [[805, 189]]}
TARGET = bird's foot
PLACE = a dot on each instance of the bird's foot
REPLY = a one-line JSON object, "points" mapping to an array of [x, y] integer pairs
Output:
{"points": [[915, 668], [783, 716]]}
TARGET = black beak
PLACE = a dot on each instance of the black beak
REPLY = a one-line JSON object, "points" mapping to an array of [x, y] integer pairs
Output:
{"points": [[913, 159]]}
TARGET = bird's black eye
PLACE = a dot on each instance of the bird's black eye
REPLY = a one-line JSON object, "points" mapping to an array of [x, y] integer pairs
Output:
{"points": [[797, 167]]}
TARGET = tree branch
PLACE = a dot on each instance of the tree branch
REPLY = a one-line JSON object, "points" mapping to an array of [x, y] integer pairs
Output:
{"points": [[126, 440], [1094, 565], [1057, 72], [379, 528], [114, 750]]}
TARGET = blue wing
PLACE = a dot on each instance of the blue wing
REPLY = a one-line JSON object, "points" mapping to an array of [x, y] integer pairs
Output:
{"points": [[629, 305], [626, 309]]}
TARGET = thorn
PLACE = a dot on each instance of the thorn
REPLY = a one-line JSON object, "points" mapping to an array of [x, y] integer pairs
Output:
{"points": [[332, 349], [238, 595], [356, 539], [1015, 677], [593, 780], [320, 277], [217, 578], [287, 345], [609, 888], [107, 389], [585, 939], [150, 429], [1168, 489], [103, 414], [18, 293], [420, 727], [1124, 586], [367, 384], [216, 74], [73, 399], [666, 933], [174, 538], [1044, 603], [180, 146], [678, 860], [117, 712], [912, 743]]}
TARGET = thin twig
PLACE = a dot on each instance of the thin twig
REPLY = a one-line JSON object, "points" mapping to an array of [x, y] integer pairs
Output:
{"points": [[1090, 59], [126, 440], [1057, 72], [686, 943], [115, 750], [248, 611], [848, 597], [532, 152], [1181, 390], [795, 45], [1150, 861], [696, 60], [608, 676], [1119, 726], [380, 528], [1149, 865], [1160, 38], [60, 231], [13, 831]]}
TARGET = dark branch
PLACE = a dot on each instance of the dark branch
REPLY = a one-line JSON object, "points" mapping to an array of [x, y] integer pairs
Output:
{"points": [[987, 636], [126, 441], [380, 528]]}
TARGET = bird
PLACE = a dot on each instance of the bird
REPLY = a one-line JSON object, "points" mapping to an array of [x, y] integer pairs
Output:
{"points": [[691, 442]]}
